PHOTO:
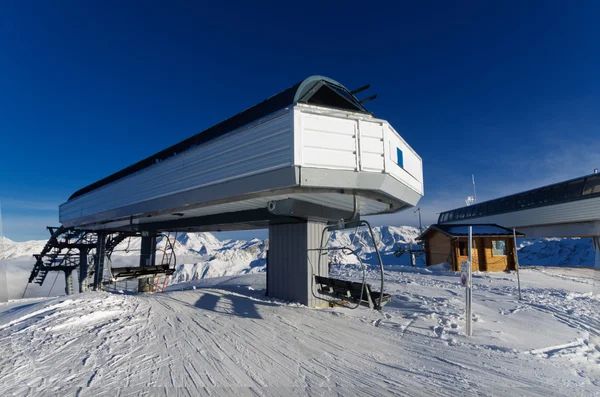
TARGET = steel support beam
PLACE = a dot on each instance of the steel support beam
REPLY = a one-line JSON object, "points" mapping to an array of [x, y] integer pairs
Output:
{"points": [[69, 282], [147, 258], [83, 269], [99, 259]]}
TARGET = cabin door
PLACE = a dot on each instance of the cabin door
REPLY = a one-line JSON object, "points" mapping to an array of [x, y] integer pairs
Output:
{"points": [[479, 251]]}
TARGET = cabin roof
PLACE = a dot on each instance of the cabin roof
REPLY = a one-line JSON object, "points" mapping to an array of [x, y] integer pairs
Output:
{"points": [[315, 90], [483, 230]]}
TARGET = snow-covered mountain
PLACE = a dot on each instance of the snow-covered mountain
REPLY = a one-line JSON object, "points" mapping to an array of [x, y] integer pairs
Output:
{"points": [[233, 257], [187, 244], [388, 238], [202, 255], [241, 257], [12, 249]]}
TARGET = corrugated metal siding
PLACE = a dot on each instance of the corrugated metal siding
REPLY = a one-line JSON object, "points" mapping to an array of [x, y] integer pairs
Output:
{"points": [[261, 148], [574, 211], [290, 270]]}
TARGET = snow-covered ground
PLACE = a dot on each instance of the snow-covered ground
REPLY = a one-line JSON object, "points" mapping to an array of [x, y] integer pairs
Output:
{"points": [[219, 336], [222, 333]]}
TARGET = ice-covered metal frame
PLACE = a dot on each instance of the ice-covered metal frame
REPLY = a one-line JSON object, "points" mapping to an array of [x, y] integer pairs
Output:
{"points": [[313, 155]]}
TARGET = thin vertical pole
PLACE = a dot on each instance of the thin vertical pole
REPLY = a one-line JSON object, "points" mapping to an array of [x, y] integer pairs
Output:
{"points": [[517, 262], [469, 286]]}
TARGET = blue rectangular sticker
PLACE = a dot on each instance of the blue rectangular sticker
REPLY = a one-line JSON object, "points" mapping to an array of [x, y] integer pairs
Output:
{"points": [[400, 160]]}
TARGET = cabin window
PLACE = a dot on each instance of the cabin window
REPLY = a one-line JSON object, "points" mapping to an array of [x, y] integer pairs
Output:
{"points": [[592, 185], [498, 247], [463, 248]]}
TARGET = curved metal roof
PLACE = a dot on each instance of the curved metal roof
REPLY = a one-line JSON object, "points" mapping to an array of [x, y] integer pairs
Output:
{"points": [[317, 90]]}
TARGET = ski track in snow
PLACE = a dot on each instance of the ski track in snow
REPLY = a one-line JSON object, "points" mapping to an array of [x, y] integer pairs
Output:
{"points": [[223, 337]]}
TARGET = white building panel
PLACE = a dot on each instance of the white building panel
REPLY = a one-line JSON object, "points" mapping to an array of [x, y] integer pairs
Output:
{"points": [[403, 163], [328, 142], [372, 150], [346, 141]]}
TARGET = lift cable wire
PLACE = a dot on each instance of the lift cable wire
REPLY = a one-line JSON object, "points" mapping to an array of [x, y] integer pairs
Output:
{"points": [[55, 278]]}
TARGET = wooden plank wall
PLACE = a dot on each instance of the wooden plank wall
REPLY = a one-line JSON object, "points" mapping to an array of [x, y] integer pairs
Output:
{"points": [[437, 248], [479, 258], [499, 263]]}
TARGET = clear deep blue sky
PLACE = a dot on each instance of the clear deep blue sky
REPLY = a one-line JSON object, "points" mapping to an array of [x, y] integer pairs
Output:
{"points": [[508, 91]]}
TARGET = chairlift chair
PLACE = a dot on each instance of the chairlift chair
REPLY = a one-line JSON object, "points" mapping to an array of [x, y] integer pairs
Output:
{"points": [[138, 272], [358, 293]]}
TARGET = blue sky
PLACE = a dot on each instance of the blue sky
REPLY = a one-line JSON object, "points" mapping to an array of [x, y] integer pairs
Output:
{"points": [[508, 91]]}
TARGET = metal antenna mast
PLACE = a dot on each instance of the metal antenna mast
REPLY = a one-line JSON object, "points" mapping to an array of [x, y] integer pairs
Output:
{"points": [[419, 211]]}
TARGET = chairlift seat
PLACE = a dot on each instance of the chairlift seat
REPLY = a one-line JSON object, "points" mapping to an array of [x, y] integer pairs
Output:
{"points": [[123, 273], [351, 291]]}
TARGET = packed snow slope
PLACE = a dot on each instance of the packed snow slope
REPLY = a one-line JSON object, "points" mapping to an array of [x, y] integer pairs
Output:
{"points": [[221, 336]]}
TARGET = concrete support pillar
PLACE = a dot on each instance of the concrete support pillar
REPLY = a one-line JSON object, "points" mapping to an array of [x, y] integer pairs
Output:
{"points": [[99, 259], [69, 282], [147, 258], [292, 265], [83, 269]]}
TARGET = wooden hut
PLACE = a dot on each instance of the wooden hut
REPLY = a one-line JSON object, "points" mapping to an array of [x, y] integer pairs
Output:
{"points": [[493, 246]]}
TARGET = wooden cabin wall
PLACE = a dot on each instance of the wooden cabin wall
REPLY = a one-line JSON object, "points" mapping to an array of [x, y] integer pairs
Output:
{"points": [[500, 262], [483, 256], [478, 259], [440, 248], [437, 248]]}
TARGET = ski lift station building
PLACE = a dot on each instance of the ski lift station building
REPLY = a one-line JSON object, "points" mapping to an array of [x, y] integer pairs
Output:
{"points": [[309, 155]]}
